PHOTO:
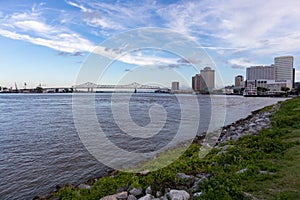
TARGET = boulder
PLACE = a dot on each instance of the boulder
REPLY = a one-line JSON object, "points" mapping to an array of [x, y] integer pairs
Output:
{"points": [[137, 192], [189, 180], [119, 196], [131, 197], [147, 197], [122, 196], [179, 195], [148, 190]]}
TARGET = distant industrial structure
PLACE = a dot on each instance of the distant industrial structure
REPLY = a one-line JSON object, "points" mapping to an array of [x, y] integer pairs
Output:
{"points": [[205, 81]]}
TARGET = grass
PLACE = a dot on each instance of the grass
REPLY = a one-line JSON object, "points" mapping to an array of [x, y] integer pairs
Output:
{"points": [[276, 151]]}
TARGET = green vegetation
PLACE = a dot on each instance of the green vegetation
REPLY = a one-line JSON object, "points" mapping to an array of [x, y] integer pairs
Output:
{"points": [[271, 160], [39, 89]]}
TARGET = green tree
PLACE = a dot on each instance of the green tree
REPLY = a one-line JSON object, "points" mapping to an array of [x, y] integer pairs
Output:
{"points": [[39, 89], [285, 89], [298, 89]]}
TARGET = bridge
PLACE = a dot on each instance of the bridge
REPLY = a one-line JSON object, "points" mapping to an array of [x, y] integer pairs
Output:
{"points": [[91, 86]]}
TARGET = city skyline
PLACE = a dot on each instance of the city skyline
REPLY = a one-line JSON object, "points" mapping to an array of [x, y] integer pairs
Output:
{"points": [[47, 42]]}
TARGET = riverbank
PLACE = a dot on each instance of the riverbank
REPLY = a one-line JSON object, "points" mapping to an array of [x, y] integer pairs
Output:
{"points": [[255, 158]]}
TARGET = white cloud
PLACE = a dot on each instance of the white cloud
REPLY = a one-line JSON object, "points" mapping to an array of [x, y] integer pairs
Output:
{"points": [[31, 28], [138, 58], [259, 27], [238, 24], [34, 26], [116, 16], [264, 27], [84, 9], [241, 63], [63, 42]]}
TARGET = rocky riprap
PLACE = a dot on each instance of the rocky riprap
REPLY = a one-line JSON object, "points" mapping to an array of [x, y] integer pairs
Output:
{"points": [[132, 195], [250, 125]]}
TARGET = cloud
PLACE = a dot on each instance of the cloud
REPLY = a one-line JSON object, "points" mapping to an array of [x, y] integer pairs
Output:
{"points": [[241, 63], [78, 53], [140, 59], [78, 6], [230, 28], [183, 61], [115, 16], [31, 27], [63, 53], [264, 27]]}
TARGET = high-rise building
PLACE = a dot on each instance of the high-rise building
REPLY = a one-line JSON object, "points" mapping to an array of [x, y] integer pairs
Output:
{"points": [[238, 80], [175, 85], [260, 72], [205, 81], [284, 67]]}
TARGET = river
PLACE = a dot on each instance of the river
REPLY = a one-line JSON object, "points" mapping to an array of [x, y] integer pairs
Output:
{"points": [[40, 147]]}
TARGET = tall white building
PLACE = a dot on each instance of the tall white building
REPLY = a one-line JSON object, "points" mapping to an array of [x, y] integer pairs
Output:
{"points": [[260, 72], [284, 67], [238, 80], [205, 81]]}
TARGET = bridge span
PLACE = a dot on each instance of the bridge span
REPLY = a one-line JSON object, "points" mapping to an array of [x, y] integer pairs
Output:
{"points": [[91, 87]]}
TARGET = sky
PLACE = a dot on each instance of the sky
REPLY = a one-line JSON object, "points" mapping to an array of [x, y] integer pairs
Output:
{"points": [[49, 42]]}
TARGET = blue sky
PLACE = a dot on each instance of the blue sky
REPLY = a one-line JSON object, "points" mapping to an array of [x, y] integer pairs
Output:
{"points": [[47, 42]]}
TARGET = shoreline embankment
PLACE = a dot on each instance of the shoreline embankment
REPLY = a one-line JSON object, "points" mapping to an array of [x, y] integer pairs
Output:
{"points": [[251, 125]]}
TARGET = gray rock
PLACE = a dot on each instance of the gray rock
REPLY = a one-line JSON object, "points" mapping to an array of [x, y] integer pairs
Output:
{"points": [[252, 124], [165, 197], [144, 173], [148, 190], [184, 176], [131, 197], [257, 127], [84, 186], [241, 171], [252, 131], [203, 176], [115, 196], [122, 196], [197, 183], [235, 137], [136, 191], [147, 197], [158, 194], [232, 128], [189, 180], [197, 194], [259, 120], [179, 195]]}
